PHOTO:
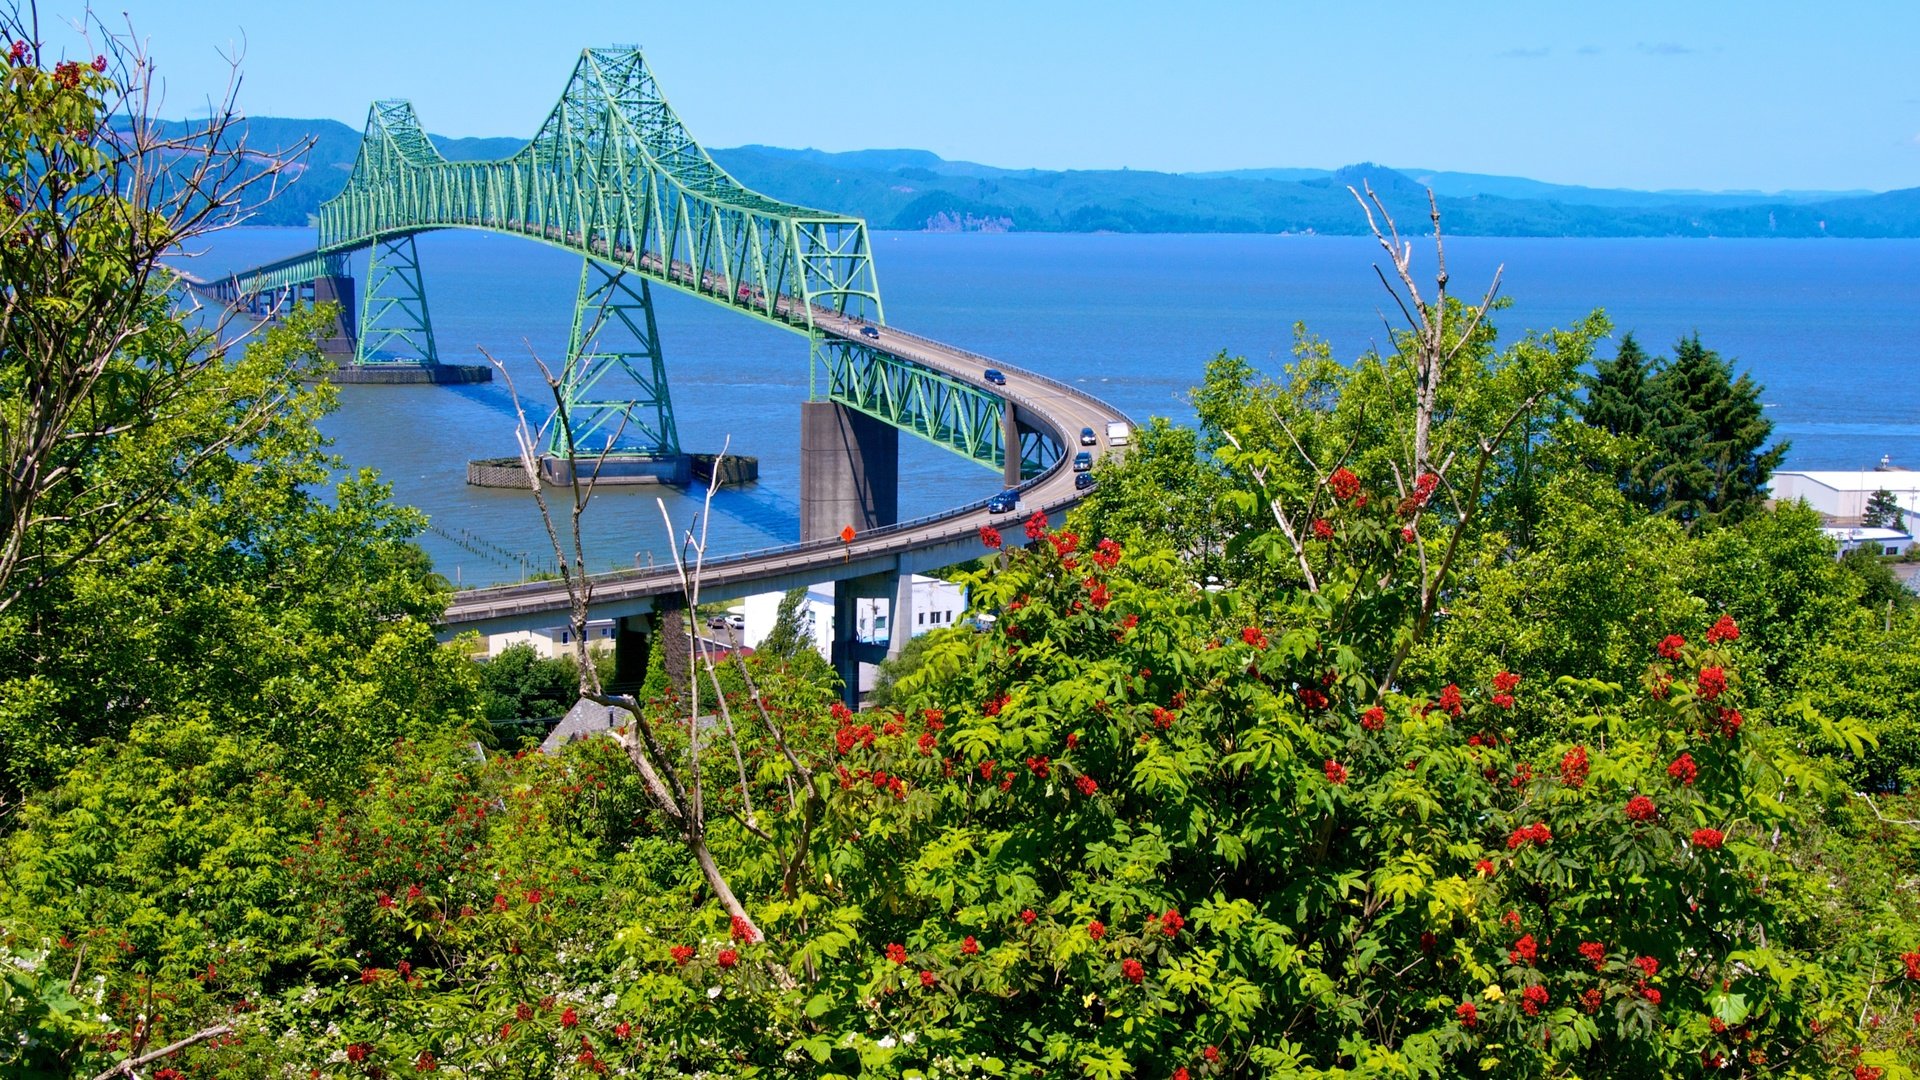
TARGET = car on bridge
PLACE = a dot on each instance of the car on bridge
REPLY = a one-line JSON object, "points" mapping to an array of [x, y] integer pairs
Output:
{"points": [[1082, 481], [1086, 437], [993, 376], [1083, 461], [870, 332], [1004, 503]]}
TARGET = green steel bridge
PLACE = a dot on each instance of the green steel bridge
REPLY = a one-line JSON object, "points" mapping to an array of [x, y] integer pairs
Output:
{"points": [[614, 177]]}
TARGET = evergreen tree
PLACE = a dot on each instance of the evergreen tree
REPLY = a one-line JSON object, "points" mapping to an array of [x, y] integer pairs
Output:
{"points": [[1620, 401], [1619, 395], [1711, 463], [1882, 511]]}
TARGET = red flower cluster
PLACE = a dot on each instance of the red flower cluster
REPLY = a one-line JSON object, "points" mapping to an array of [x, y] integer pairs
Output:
{"points": [[1041, 765], [1133, 971], [1468, 1013], [1670, 646], [1912, 961], [569, 1018], [1087, 785], [1711, 839], [1027, 916], [1254, 636], [1595, 953], [1590, 1001], [1724, 630], [1503, 685], [1532, 999], [1172, 922], [727, 958], [927, 979], [925, 743], [1536, 833], [1211, 1053], [1323, 528], [1181, 1073], [1648, 992], [681, 954], [969, 945], [1450, 702], [1647, 964], [1641, 808], [1312, 700], [1573, 767], [1343, 484], [742, 930], [1730, 721], [1713, 683], [1683, 769], [896, 952], [1037, 525], [357, 1052], [1163, 718], [1524, 951], [1336, 772], [1097, 595], [1484, 867], [18, 52], [1096, 929], [990, 536], [1373, 719], [1106, 554], [1423, 488], [850, 736]]}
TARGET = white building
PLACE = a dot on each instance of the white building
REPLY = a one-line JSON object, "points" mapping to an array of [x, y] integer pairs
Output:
{"points": [[1844, 494], [552, 641], [936, 603], [1883, 541]]}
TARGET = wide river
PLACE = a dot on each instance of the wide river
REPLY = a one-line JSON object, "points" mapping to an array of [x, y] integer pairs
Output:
{"points": [[1830, 327]]}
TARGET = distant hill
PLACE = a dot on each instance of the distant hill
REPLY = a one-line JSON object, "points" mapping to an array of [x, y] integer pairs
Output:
{"points": [[919, 190]]}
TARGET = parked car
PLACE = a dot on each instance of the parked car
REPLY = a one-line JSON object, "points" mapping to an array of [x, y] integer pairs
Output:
{"points": [[1004, 503], [871, 332], [993, 376], [1082, 481], [1082, 461], [1086, 437]]}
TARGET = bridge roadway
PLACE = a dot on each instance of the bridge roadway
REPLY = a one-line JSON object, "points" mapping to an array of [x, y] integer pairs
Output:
{"points": [[909, 547]]}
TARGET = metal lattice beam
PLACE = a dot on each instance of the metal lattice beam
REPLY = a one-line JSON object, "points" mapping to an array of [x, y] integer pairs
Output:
{"points": [[394, 324], [614, 175], [615, 381], [951, 414]]}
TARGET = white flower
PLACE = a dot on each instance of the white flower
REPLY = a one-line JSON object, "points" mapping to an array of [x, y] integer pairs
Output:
{"points": [[713, 991], [886, 1042]]}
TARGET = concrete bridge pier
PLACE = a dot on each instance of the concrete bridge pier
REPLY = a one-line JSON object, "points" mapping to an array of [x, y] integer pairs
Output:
{"points": [[849, 471], [633, 644], [849, 652], [338, 289]]}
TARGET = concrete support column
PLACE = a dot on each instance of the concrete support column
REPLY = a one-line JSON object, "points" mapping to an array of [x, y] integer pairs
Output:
{"points": [[331, 289], [849, 652], [849, 471], [633, 641], [900, 619]]}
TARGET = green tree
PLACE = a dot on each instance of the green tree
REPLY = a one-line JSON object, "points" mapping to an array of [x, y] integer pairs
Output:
{"points": [[1619, 393], [792, 630], [1883, 511], [1711, 460], [520, 684]]}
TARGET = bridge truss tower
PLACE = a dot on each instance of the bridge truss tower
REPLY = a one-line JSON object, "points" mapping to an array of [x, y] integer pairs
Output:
{"points": [[394, 324], [614, 385]]}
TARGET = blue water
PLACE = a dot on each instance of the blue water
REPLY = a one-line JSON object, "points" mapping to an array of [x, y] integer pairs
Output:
{"points": [[1828, 326]]}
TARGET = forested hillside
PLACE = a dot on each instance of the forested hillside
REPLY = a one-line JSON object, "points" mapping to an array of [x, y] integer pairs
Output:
{"points": [[915, 190]]}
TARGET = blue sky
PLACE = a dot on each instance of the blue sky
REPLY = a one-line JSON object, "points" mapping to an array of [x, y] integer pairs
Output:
{"points": [[1676, 94]]}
